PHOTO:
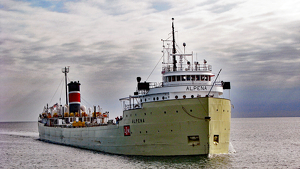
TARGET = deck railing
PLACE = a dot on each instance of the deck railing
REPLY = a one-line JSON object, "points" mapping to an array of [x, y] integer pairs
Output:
{"points": [[186, 67]]}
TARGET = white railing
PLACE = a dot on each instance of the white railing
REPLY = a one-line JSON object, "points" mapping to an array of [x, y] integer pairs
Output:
{"points": [[198, 67]]}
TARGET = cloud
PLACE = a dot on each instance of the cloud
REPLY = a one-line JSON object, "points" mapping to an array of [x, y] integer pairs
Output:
{"points": [[253, 44], [108, 44]]}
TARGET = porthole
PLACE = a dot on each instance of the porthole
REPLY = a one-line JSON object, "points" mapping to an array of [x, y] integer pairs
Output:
{"points": [[176, 97], [184, 96], [153, 98], [145, 99], [192, 96], [163, 98], [157, 98]]}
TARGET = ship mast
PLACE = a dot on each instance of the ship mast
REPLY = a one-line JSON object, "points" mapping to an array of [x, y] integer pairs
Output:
{"points": [[174, 49], [65, 71]]}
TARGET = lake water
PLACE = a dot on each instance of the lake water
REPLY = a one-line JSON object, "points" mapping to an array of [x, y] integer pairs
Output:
{"points": [[255, 143]]}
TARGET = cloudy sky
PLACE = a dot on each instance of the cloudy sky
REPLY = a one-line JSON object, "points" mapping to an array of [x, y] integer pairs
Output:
{"points": [[107, 44]]}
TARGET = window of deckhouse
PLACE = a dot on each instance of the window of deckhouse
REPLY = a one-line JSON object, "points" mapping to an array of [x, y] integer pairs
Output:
{"points": [[197, 77], [188, 77], [202, 77], [178, 78], [193, 77], [183, 78], [206, 78], [173, 78]]}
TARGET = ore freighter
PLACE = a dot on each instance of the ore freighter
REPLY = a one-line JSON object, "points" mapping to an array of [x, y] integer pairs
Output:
{"points": [[185, 114]]}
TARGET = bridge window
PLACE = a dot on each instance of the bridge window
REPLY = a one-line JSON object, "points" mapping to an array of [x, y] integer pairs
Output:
{"points": [[193, 77], [205, 78], [188, 77], [173, 78], [202, 77]]}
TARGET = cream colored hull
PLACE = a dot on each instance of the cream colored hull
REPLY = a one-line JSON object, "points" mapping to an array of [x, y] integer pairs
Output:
{"points": [[162, 128]]}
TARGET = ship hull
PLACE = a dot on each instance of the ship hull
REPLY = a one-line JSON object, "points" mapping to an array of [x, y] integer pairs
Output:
{"points": [[163, 128]]}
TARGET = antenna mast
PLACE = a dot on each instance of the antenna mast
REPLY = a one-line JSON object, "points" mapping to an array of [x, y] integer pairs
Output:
{"points": [[174, 49], [65, 71]]}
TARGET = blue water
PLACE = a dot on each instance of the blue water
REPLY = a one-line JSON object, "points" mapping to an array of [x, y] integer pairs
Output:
{"points": [[255, 143]]}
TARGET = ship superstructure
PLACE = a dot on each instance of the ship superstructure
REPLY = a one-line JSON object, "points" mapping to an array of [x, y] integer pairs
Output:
{"points": [[185, 114]]}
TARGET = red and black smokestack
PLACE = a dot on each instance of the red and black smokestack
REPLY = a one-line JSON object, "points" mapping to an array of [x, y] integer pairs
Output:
{"points": [[74, 97]]}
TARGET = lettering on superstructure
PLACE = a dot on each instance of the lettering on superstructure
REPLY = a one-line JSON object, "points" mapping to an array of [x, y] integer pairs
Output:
{"points": [[138, 120], [195, 88]]}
